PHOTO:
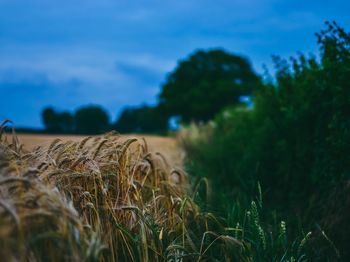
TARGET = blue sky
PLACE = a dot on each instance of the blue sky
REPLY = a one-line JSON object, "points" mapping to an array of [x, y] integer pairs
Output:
{"points": [[117, 53]]}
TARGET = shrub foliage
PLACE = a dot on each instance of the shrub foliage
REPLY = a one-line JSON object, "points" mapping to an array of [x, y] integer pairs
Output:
{"points": [[295, 140]]}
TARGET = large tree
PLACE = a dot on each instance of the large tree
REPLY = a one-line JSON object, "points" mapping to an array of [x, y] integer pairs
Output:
{"points": [[206, 82]]}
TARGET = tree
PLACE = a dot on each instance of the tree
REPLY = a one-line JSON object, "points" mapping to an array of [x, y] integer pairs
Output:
{"points": [[91, 120], [66, 122], [49, 119], [56, 122], [206, 82], [144, 119]]}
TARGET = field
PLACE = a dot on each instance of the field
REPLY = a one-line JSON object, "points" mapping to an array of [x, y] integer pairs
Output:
{"points": [[102, 198], [165, 145], [114, 198]]}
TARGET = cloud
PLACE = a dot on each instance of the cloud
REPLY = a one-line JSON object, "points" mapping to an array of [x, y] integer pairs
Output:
{"points": [[25, 97], [117, 52], [69, 78], [92, 64]]}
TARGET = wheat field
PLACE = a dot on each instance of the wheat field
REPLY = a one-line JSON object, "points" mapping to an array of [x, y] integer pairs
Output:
{"points": [[101, 198], [168, 146]]}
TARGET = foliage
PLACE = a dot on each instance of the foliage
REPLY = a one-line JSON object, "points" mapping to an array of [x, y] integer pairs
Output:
{"points": [[206, 82], [86, 120], [91, 120], [94, 120], [144, 119], [295, 140], [268, 243], [56, 122]]}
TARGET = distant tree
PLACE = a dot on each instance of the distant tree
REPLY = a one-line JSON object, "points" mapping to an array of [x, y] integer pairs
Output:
{"points": [[91, 120], [66, 122], [56, 122], [206, 82], [49, 118], [144, 119]]}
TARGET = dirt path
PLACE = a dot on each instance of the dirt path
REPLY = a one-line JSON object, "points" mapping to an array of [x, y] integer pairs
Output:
{"points": [[165, 145]]}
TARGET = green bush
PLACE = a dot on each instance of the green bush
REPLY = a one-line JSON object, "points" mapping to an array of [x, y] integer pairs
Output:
{"points": [[295, 141]]}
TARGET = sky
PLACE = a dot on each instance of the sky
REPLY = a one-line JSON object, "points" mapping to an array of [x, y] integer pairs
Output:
{"points": [[117, 53]]}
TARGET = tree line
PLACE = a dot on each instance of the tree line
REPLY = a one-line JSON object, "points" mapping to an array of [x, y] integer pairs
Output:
{"points": [[94, 119], [199, 88]]}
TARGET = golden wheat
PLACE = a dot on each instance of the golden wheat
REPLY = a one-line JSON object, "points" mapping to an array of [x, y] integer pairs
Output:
{"points": [[104, 198]]}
